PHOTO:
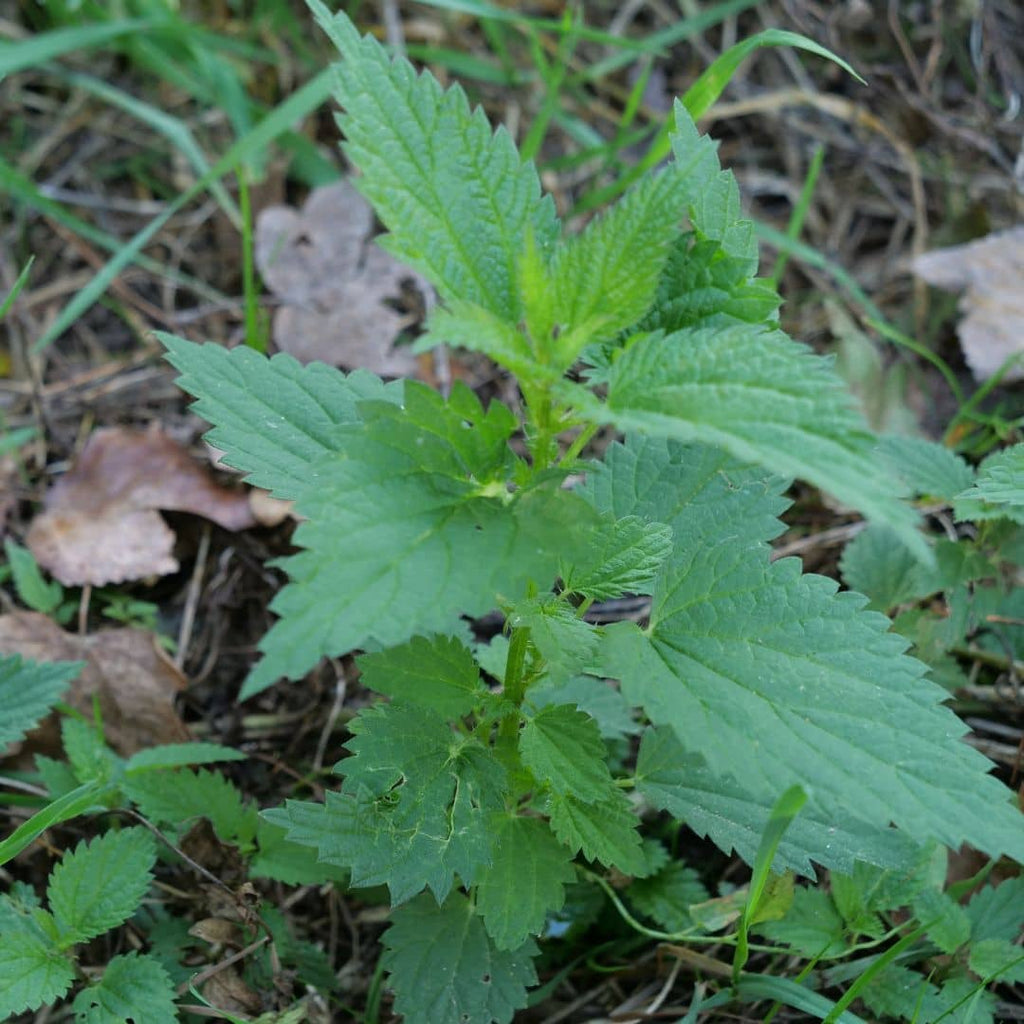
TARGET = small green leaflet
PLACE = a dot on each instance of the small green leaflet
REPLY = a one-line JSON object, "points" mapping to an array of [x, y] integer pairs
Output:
{"points": [[597, 697], [926, 467], [443, 965], [812, 925], [875, 563], [949, 927], [99, 884], [133, 987], [28, 690], [273, 418], [624, 559], [998, 959], [998, 490], [438, 672], [774, 678], [525, 881], [565, 642], [997, 912], [175, 755], [284, 861], [603, 830], [456, 198], [563, 748], [32, 970], [667, 896], [409, 528]]}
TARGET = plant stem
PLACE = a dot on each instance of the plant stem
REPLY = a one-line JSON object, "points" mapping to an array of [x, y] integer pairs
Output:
{"points": [[515, 684]]}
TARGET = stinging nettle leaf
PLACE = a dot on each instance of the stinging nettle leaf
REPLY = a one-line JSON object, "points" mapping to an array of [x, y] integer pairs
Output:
{"points": [[775, 679], [604, 830], [133, 987], [443, 966], [875, 563], [32, 970], [926, 467], [99, 884], [563, 748], [456, 197], [28, 690], [998, 490]]}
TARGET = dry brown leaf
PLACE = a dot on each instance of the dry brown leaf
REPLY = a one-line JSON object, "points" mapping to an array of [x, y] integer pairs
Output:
{"points": [[229, 993], [990, 272], [100, 524], [334, 283], [126, 671], [8, 497]]}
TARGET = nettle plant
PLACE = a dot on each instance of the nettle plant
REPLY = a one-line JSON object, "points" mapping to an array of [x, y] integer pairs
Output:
{"points": [[476, 803]]}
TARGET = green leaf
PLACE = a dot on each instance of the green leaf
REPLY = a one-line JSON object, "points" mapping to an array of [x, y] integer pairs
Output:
{"points": [[411, 526], [284, 861], [175, 755], [525, 881], [39, 595], [273, 418], [999, 960], [904, 994], [740, 648], [456, 198], [812, 926], [91, 759], [179, 797], [703, 286], [443, 966], [28, 690], [99, 884], [679, 781], [597, 697], [566, 642], [667, 896], [948, 925], [414, 807], [997, 911], [604, 279], [926, 467], [879, 565], [133, 987], [32, 970], [998, 490], [605, 830], [761, 397], [563, 748], [439, 673], [624, 559]]}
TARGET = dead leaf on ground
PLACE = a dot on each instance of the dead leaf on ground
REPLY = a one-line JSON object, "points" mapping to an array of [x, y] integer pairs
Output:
{"points": [[126, 671], [991, 274], [100, 524], [8, 496], [335, 283]]}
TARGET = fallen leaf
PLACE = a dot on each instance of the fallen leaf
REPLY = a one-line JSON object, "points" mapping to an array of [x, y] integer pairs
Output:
{"points": [[229, 993], [335, 283], [126, 671], [100, 524], [990, 272]]}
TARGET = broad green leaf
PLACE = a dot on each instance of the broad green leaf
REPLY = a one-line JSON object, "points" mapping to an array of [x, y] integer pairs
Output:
{"points": [[604, 830], [598, 698], [998, 490], [740, 648], [666, 897], [456, 198], [176, 755], [525, 881], [415, 805], [762, 398], [997, 911], [678, 781], [99, 884], [443, 966], [879, 565], [28, 690], [32, 970], [133, 987], [273, 418], [926, 467], [624, 559], [565, 641], [439, 673], [812, 926], [410, 527], [563, 748], [179, 797], [999, 960]]}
